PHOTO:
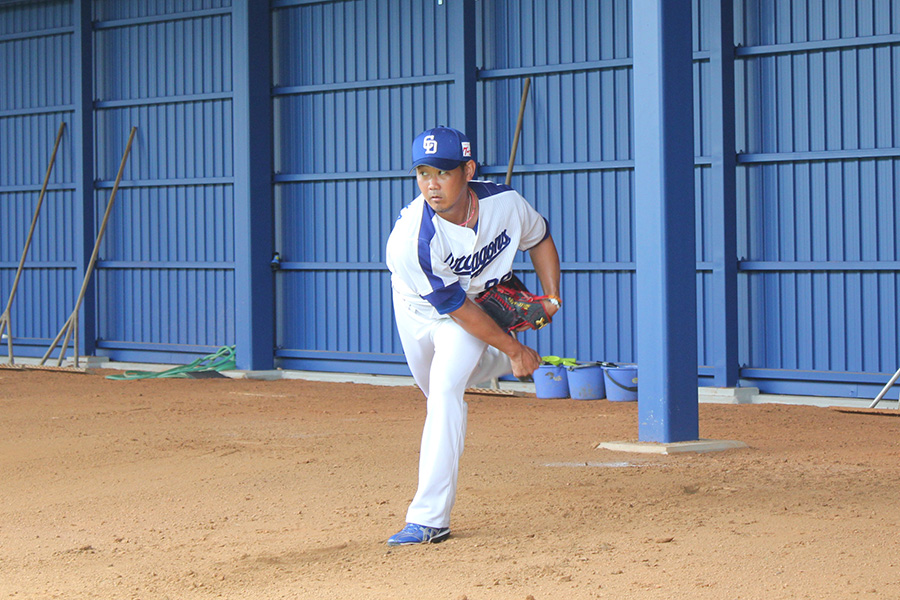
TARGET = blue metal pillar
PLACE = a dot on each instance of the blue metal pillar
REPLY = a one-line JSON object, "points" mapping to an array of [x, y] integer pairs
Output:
{"points": [[82, 131], [665, 222], [723, 197], [254, 212], [463, 109]]}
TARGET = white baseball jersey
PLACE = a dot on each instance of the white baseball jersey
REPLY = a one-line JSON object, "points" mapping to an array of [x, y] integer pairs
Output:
{"points": [[436, 264]]}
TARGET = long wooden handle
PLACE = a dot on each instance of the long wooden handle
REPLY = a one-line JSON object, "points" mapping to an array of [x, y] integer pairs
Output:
{"points": [[515, 144], [37, 212], [71, 323], [109, 205]]}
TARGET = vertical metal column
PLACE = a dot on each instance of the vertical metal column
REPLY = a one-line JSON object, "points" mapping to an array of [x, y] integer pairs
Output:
{"points": [[254, 212], [83, 227], [463, 109], [724, 197], [665, 221]]}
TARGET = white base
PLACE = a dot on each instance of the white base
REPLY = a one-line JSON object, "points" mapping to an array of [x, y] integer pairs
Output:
{"points": [[673, 447], [724, 395]]}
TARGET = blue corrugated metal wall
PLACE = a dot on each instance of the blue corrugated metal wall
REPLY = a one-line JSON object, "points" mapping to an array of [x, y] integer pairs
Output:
{"points": [[382, 94], [818, 132], [164, 280], [166, 274], [35, 97], [575, 160], [353, 82], [575, 164]]}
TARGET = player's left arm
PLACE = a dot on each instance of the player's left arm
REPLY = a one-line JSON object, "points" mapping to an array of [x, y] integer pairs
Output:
{"points": [[545, 259]]}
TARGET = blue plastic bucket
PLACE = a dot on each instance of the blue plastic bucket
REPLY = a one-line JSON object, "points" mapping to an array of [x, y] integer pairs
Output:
{"points": [[621, 383], [551, 382], [586, 382]]}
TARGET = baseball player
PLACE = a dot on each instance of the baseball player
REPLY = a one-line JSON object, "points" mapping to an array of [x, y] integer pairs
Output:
{"points": [[456, 239]]}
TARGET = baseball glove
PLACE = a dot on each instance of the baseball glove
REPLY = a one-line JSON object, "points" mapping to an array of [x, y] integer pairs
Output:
{"points": [[513, 307]]}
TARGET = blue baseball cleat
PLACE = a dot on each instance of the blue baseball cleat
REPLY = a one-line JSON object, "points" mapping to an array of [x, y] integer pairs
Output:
{"points": [[419, 534]]}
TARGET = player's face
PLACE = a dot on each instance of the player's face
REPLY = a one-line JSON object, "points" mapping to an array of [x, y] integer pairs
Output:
{"points": [[445, 191]]}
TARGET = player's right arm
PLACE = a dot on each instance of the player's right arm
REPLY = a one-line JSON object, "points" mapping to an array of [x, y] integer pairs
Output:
{"points": [[475, 321]]}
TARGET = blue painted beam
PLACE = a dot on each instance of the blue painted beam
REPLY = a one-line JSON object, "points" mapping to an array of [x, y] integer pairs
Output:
{"points": [[36, 187], [289, 3], [342, 356], [346, 176], [38, 110], [329, 365], [591, 66], [150, 347], [807, 375], [165, 264], [578, 67], [751, 158], [869, 41], [666, 312], [723, 198], [184, 99], [41, 33], [82, 145], [373, 84], [605, 165], [172, 357], [43, 264], [464, 110], [254, 211], [803, 266], [149, 183], [162, 18]]}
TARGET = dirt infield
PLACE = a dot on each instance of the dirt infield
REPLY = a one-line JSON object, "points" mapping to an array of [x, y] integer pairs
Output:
{"points": [[194, 489]]}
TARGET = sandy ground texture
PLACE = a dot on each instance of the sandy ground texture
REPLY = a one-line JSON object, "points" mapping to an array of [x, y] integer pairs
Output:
{"points": [[193, 489]]}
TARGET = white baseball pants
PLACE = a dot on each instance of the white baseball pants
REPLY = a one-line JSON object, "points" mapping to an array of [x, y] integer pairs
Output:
{"points": [[444, 360]]}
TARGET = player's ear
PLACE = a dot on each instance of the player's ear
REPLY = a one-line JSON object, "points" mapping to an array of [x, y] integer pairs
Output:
{"points": [[469, 168]]}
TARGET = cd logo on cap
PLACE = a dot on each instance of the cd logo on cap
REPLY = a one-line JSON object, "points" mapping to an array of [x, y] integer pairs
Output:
{"points": [[430, 144]]}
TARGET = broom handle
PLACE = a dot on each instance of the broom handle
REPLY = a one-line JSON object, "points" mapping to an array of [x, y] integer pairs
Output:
{"points": [[109, 205], [515, 144], [495, 383], [885, 389], [37, 212], [93, 261]]}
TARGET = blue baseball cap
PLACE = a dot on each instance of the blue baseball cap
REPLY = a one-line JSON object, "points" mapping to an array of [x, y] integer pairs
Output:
{"points": [[442, 148]]}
